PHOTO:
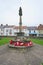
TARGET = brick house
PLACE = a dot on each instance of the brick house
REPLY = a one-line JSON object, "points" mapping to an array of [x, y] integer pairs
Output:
{"points": [[40, 30]]}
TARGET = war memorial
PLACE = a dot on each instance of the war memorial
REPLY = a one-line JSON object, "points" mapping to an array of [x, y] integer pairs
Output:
{"points": [[20, 40]]}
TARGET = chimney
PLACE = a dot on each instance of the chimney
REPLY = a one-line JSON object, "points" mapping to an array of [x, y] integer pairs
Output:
{"points": [[1, 24]]}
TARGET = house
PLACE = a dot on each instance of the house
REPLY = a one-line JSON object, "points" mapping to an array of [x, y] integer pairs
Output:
{"points": [[24, 29], [40, 30], [11, 30], [32, 31], [8, 30]]}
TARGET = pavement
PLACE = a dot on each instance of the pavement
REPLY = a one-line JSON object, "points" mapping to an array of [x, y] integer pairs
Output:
{"points": [[27, 56]]}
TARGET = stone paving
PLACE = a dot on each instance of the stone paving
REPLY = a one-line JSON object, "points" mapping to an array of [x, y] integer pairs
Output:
{"points": [[27, 56]]}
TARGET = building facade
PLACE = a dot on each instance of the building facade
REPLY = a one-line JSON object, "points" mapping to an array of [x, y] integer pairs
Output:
{"points": [[33, 32], [40, 30], [11, 30]]}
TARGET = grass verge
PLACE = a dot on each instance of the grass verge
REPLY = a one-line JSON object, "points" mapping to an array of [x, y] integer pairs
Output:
{"points": [[37, 41], [42, 64], [4, 40]]}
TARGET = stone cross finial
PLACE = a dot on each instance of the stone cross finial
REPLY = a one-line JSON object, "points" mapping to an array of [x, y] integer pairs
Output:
{"points": [[20, 11]]}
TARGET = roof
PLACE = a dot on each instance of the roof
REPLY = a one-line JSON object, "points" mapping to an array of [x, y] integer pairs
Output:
{"points": [[40, 27], [9, 26], [32, 28], [23, 27], [13, 26], [6, 26]]}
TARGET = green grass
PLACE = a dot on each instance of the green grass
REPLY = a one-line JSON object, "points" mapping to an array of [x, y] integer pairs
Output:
{"points": [[37, 41], [4, 40], [42, 64]]}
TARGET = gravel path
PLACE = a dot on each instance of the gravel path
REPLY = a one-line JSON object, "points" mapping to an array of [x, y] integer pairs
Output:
{"points": [[28, 56]]}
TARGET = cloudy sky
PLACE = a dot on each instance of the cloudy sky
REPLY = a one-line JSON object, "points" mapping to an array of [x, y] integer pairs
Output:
{"points": [[32, 12]]}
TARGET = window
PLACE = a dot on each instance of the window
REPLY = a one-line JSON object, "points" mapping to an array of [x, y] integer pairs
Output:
{"points": [[7, 30], [34, 31], [10, 32], [1, 33], [40, 35], [29, 31]]}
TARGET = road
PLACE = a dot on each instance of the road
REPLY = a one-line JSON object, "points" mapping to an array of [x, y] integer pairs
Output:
{"points": [[27, 56]]}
